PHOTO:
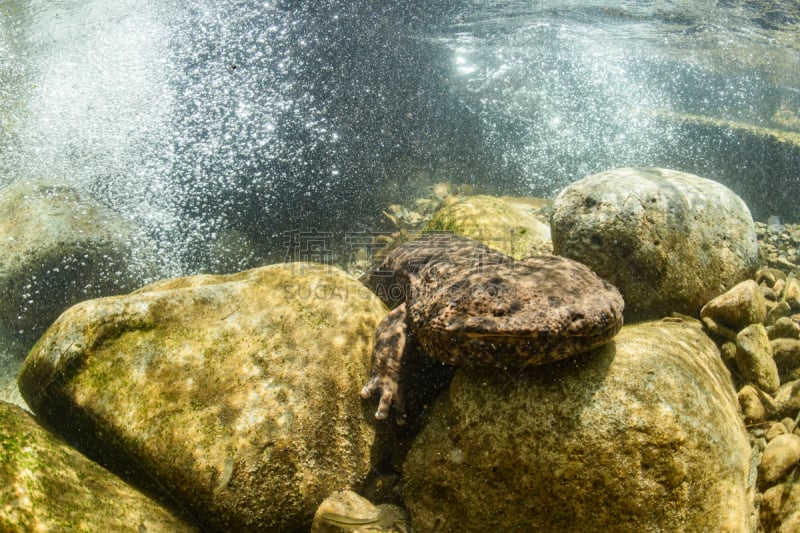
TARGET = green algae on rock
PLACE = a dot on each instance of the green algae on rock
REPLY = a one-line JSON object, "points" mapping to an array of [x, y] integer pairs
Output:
{"points": [[46, 485], [642, 434], [506, 224], [237, 393]]}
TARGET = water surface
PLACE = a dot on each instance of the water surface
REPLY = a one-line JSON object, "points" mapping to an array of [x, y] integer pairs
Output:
{"points": [[206, 120]]}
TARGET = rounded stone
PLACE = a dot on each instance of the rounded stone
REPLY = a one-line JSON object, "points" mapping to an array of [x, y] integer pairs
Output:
{"points": [[787, 399], [778, 428], [781, 454], [786, 354], [742, 305], [784, 328], [506, 224], [791, 293], [57, 247], [347, 511], [643, 434], [780, 508], [754, 358], [770, 276], [238, 394], [670, 241], [752, 408], [780, 310]]}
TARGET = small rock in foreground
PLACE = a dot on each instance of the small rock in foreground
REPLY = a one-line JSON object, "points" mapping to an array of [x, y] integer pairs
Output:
{"points": [[347, 511], [780, 456]]}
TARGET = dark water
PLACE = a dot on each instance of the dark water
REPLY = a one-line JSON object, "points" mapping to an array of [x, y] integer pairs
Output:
{"points": [[235, 121]]}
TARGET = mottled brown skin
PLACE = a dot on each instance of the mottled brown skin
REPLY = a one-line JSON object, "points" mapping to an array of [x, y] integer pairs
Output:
{"points": [[467, 304]]}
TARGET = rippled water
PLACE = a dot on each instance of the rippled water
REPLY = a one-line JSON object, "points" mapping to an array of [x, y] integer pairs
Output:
{"points": [[197, 122]]}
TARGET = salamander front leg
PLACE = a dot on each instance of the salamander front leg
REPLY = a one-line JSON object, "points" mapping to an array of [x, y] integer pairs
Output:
{"points": [[387, 353]]}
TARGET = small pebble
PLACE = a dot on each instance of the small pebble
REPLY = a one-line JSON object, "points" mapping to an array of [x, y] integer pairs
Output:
{"points": [[769, 276], [740, 306], [776, 429], [769, 293], [791, 294], [781, 309], [752, 407], [728, 353], [754, 358], [348, 511], [784, 327], [780, 455], [786, 354], [778, 287], [718, 330], [787, 399], [777, 509]]}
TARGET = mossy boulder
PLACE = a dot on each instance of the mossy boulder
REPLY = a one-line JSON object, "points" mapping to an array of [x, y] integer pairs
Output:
{"points": [[57, 247], [506, 224], [643, 434], [237, 394], [670, 241], [46, 485]]}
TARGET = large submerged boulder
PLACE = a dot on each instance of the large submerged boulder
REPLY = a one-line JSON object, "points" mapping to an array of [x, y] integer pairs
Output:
{"points": [[237, 394], [57, 247], [46, 485], [642, 434], [670, 241]]}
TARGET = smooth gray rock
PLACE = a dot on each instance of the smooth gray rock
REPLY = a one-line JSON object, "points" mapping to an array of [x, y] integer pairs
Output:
{"points": [[670, 241]]}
